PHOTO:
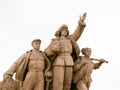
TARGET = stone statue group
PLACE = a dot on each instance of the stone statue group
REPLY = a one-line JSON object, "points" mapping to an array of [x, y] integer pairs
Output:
{"points": [[59, 67]]}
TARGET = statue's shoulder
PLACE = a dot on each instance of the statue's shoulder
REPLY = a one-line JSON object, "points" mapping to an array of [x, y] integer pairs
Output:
{"points": [[54, 39], [27, 53], [79, 59]]}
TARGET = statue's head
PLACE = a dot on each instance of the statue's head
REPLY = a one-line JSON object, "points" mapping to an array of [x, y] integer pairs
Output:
{"points": [[61, 28], [36, 43], [86, 51]]}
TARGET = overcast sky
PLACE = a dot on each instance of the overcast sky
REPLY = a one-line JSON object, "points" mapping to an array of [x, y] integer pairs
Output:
{"points": [[21, 21]]}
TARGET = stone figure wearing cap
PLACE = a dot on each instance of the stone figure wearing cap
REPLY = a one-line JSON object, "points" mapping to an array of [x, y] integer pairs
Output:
{"points": [[30, 68], [83, 69], [63, 46]]}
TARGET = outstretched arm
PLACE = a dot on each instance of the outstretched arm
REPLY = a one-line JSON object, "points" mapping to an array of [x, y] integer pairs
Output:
{"points": [[79, 30], [9, 73], [97, 65]]}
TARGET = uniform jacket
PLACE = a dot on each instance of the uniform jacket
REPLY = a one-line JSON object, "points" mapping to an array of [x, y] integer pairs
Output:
{"points": [[20, 66], [53, 48]]}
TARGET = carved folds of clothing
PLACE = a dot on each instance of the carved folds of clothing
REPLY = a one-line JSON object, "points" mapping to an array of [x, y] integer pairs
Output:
{"points": [[63, 62], [30, 69], [84, 72], [64, 57]]}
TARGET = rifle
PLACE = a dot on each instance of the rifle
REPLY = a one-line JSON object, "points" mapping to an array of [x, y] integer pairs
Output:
{"points": [[99, 60]]}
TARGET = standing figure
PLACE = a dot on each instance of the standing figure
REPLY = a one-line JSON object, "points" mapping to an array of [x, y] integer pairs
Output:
{"points": [[83, 69], [30, 68], [63, 46]]}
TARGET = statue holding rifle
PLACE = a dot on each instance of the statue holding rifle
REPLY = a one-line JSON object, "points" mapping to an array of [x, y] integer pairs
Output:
{"points": [[83, 69], [59, 67]]}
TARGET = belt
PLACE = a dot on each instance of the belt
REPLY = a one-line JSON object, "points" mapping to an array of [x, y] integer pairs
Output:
{"points": [[61, 54], [35, 70]]}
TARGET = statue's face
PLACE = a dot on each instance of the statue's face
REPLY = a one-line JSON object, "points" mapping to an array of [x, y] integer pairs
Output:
{"points": [[64, 32], [88, 52], [36, 45]]}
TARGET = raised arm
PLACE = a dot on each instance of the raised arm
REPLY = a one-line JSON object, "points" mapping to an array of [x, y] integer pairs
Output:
{"points": [[80, 27]]}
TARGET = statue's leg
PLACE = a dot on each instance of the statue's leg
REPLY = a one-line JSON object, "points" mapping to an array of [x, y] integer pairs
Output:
{"points": [[81, 86], [68, 77], [29, 82], [88, 83], [39, 85], [58, 77]]}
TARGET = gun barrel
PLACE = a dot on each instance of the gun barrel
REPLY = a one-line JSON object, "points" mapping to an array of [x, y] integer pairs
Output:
{"points": [[98, 60]]}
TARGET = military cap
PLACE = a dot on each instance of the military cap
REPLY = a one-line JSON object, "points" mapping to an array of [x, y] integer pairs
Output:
{"points": [[36, 40]]}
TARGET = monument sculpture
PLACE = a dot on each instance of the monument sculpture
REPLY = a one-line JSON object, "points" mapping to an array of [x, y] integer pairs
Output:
{"points": [[63, 46], [59, 67], [83, 69], [30, 69]]}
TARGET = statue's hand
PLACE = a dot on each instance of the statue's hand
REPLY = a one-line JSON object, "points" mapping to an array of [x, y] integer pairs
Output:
{"points": [[77, 66], [102, 60], [83, 24], [48, 74], [6, 77], [82, 18], [55, 45]]}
